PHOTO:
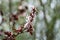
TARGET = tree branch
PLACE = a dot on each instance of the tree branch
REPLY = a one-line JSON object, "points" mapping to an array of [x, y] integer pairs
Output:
{"points": [[44, 12]]}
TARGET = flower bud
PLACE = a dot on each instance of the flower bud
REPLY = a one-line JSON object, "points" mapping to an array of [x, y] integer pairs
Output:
{"points": [[8, 33]]}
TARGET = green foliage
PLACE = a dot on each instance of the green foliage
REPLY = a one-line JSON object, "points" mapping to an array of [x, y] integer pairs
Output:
{"points": [[24, 36]]}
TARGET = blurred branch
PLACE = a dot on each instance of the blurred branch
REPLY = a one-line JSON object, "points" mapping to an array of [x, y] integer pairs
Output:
{"points": [[49, 32], [50, 26], [49, 2], [44, 12], [10, 6], [10, 11], [1, 5]]}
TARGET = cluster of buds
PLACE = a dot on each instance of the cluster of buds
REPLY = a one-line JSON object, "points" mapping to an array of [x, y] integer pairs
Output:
{"points": [[28, 27], [22, 9], [19, 30], [9, 36], [13, 17]]}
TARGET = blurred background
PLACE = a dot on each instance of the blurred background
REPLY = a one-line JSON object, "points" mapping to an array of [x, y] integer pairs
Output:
{"points": [[46, 23]]}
